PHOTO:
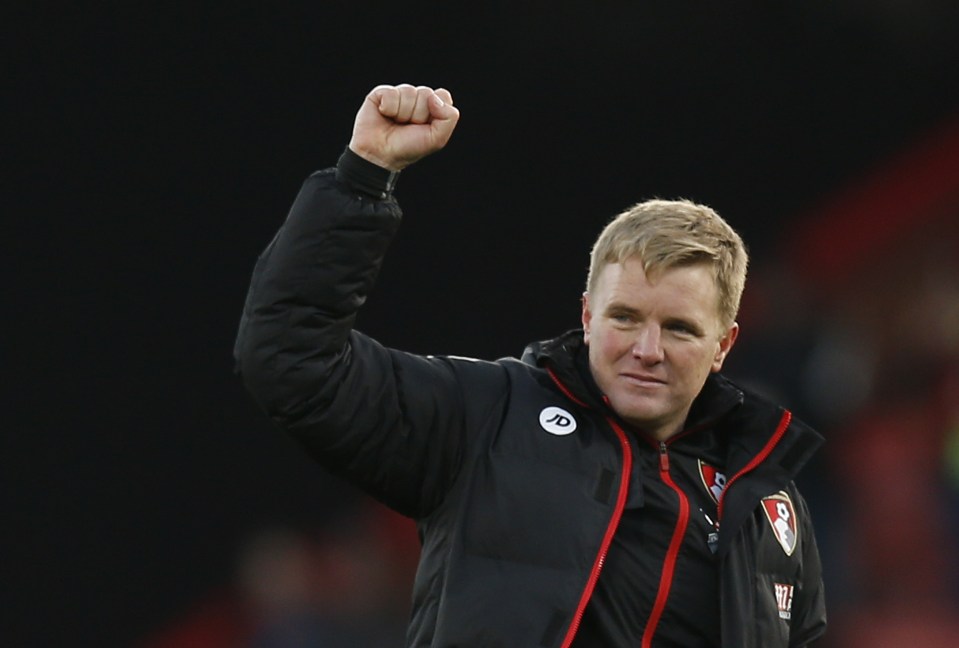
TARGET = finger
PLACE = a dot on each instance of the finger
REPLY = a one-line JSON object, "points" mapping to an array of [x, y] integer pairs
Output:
{"points": [[386, 99], [444, 119], [421, 110], [441, 110], [445, 95], [407, 94]]}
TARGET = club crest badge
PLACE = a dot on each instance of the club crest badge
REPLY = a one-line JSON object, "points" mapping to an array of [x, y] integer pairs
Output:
{"points": [[713, 480], [781, 514]]}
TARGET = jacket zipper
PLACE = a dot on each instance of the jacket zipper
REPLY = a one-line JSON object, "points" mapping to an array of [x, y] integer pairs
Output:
{"points": [[672, 553], [608, 537]]}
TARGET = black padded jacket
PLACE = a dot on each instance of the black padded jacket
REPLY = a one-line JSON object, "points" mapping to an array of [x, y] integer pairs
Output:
{"points": [[514, 520]]}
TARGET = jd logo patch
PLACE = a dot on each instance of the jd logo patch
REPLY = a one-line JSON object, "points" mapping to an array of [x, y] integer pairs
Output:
{"points": [[558, 421], [781, 514], [713, 480]]}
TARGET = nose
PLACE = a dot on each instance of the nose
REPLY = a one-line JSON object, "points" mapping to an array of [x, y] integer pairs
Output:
{"points": [[647, 347]]}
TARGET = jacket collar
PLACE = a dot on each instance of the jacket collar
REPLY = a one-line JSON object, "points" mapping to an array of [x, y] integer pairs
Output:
{"points": [[745, 420], [568, 358]]}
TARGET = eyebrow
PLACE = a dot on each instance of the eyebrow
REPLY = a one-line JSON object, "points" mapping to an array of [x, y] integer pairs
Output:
{"points": [[621, 308]]}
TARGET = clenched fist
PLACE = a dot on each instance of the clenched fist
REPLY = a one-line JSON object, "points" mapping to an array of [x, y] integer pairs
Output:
{"points": [[398, 125]]}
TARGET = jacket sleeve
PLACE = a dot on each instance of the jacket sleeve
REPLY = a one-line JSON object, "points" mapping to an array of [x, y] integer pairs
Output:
{"points": [[809, 604], [392, 423]]}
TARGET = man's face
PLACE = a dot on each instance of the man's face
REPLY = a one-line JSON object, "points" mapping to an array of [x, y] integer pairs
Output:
{"points": [[653, 343]]}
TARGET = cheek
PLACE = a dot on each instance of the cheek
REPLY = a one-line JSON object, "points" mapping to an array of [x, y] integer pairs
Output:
{"points": [[702, 365], [692, 364], [613, 344]]}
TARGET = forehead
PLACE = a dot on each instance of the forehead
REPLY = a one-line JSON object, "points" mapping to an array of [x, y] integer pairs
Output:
{"points": [[688, 289]]}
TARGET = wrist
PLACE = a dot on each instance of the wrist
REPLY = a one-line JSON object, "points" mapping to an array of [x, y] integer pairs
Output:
{"points": [[366, 175], [373, 158]]}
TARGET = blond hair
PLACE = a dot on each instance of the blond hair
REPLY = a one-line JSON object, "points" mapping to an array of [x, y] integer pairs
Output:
{"points": [[671, 233]]}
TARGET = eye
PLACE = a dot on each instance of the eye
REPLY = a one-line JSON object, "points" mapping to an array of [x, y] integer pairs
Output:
{"points": [[682, 328], [621, 315], [623, 318]]}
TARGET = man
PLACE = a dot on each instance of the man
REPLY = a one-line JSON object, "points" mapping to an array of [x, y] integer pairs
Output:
{"points": [[609, 489]]}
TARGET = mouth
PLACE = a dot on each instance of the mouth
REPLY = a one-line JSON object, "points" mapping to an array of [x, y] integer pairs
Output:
{"points": [[643, 380]]}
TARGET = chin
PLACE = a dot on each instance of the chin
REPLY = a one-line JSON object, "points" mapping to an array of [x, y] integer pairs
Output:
{"points": [[645, 423], [639, 417], [640, 404]]}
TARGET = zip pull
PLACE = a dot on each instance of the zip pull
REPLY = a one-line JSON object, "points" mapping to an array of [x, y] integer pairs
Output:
{"points": [[663, 457], [715, 524], [712, 537]]}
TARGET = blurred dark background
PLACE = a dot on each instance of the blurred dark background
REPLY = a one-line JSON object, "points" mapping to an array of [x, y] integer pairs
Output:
{"points": [[153, 150]]}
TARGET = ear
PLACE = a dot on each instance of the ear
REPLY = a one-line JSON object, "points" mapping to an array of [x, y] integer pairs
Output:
{"points": [[725, 346], [587, 316]]}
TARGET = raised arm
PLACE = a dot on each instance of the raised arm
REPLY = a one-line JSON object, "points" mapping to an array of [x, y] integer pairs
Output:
{"points": [[391, 422], [324, 260]]}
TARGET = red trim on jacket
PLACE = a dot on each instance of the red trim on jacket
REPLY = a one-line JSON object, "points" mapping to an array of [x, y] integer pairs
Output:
{"points": [[627, 470], [679, 531], [608, 537], [563, 388], [758, 459], [672, 553]]}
